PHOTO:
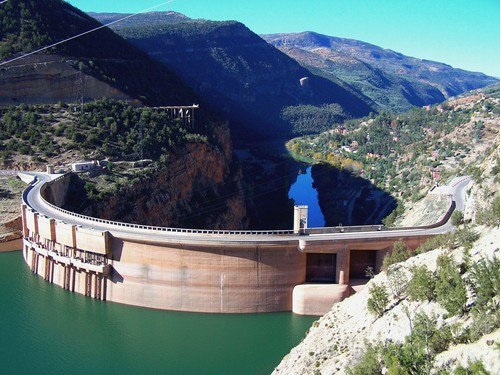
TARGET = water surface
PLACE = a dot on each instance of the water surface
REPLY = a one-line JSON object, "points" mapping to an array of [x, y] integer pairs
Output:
{"points": [[47, 330], [303, 193]]}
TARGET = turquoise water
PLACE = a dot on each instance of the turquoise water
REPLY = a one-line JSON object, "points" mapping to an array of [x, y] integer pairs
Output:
{"points": [[303, 193], [46, 330]]}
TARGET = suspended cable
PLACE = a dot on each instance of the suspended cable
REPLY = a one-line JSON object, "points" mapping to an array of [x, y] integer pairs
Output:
{"points": [[81, 34]]}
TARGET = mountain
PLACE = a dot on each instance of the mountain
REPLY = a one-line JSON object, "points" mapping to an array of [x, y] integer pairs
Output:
{"points": [[263, 91], [150, 19], [99, 64], [394, 81]]}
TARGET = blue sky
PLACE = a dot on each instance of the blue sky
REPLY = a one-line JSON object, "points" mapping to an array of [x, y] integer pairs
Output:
{"points": [[461, 33]]}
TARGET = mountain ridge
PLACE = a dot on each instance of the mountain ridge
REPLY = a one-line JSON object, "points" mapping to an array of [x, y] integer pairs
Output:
{"points": [[249, 79], [356, 62]]}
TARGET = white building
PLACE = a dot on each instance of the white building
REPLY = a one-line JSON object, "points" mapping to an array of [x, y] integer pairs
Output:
{"points": [[83, 166]]}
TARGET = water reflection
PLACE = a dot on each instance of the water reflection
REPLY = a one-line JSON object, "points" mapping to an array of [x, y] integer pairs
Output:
{"points": [[303, 192]]}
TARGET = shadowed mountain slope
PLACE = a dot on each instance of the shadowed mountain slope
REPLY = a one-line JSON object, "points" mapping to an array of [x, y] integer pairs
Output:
{"points": [[99, 64], [254, 84]]}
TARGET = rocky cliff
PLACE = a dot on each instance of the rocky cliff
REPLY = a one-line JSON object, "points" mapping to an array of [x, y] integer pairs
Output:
{"points": [[349, 200], [45, 79], [95, 65], [198, 187]]}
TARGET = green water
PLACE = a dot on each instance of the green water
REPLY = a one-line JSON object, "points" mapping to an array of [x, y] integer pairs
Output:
{"points": [[48, 330]]}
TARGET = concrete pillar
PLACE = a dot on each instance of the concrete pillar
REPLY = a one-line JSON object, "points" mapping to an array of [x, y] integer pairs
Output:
{"points": [[343, 266], [24, 220], [300, 218]]}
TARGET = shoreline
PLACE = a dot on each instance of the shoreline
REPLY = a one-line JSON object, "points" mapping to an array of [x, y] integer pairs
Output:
{"points": [[15, 244]]}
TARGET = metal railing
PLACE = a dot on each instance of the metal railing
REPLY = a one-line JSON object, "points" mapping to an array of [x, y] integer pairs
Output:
{"points": [[306, 231]]}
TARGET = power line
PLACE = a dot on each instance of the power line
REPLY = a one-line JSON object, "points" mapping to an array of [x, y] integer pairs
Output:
{"points": [[81, 34], [4, 1]]}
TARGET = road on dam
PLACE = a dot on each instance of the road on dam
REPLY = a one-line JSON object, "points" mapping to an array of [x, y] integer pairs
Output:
{"points": [[455, 190]]}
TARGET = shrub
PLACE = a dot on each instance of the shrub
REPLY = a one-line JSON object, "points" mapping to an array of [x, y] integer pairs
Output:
{"points": [[484, 279], [489, 215], [465, 237], [400, 253], [369, 364], [457, 218], [398, 282], [376, 303], [441, 241], [474, 368], [484, 322], [450, 287], [421, 287]]}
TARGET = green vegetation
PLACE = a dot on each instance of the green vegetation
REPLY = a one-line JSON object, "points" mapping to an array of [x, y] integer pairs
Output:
{"points": [[26, 25], [421, 286], [457, 218], [307, 119], [474, 368], [450, 287], [484, 278], [393, 83], [404, 154], [106, 129], [444, 241], [399, 253], [258, 84], [413, 356], [378, 300], [489, 215]]}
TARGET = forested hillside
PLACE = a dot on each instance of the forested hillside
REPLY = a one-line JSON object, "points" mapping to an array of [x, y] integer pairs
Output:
{"points": [[395, 82], [406, 154], [263, 91]]}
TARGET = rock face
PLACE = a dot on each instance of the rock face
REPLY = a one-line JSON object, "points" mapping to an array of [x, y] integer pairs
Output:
{"points": [[108, 65], [50, 79], [200, 187]]}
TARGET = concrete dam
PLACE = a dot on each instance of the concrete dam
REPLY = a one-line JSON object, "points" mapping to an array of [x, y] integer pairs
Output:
{"points": [[304, 270]]}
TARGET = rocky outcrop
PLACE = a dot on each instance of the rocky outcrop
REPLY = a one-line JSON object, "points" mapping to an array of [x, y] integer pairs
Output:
{"points": [[199, 187], [45, 79], [337, 340], [348, 199]]}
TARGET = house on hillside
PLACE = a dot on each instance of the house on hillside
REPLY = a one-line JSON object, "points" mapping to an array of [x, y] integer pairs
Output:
{"points": [[83, 166]]}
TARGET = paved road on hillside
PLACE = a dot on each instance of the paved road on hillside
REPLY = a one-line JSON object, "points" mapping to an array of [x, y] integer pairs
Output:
{"points": [[32, 197]]}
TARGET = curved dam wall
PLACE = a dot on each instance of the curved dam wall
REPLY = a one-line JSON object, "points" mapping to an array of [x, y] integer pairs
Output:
{"points": [[223, 280], [173, 276], [201, 270]]}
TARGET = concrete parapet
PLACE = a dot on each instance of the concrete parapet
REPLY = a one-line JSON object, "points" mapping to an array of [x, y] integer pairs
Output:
{"points": [[65, 234], [317, 299], [92, 240]]}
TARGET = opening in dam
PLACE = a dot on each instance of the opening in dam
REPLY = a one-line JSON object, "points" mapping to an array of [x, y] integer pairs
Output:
{"points": [[65, 332], [303, 193]]}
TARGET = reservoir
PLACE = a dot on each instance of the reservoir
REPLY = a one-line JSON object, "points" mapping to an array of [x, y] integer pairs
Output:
{"points": [[48, 330], [303, 193]]}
